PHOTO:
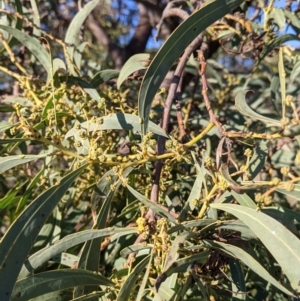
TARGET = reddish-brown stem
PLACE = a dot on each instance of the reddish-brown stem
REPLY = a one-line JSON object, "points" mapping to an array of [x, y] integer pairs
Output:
{"points": [[168, 12], [202, 70], [166, 117]]}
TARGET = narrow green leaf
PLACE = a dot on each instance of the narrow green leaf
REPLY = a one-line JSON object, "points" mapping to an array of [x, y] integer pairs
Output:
{"points": [[275, 43], [247, 259], [225, 174], [90, 252], [283, 157], [173, 253], [244, 199], [292, 18], [184, 34], [89, 297], [259, 158], [89, 258], [190, 224], [170, 283], [290, 214], [17, 99], [295, 193], [224, 33], [88, 88], [74, 214], [295, 72], [242, 106], [200, 285], [145, 280], [56, 233], [33, 45], [78, 54], [51, 281], [116, 122], [36, 19], [238, 285], [282, 82], [275, 94], [9, 162], [128, 210], [63, 295], [126, 288], [66, 259], [159, 209], [135, 63], [238, 226], [6, 108], [4, 125], [59, 65], [13, 140], [103, 76], [226, 197], [278, 16], [47, 106], [182, 265], [134, 248], [284, 216], [46, 232], [103, 186], [194, 195], [69, 241], [72, 34], [282, 244], [28, 192], [10, 199], [164, 293], [23, 232]]}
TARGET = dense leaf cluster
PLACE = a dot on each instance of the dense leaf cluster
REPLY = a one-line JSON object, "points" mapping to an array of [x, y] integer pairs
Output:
{"points": [[122, 185]]}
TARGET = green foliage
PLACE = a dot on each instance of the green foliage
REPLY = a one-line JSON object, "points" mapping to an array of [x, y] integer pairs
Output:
{"points": [[114, 188], [171, 50]]}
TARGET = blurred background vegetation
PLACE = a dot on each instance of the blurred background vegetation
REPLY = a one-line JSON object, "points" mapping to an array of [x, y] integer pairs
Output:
{"points": [[69, 100]]}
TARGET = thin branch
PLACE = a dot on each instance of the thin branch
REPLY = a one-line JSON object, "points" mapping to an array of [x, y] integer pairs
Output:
{"points": [[168, 12], [202, 71], [166, 117]]}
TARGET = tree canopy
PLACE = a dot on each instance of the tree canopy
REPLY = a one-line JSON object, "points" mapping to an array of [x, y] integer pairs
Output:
{"points": [[149, 150]]}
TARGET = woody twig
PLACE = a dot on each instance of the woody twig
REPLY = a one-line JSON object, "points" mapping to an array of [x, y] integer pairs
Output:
{"points": [[166, 118], [202, 70]]}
